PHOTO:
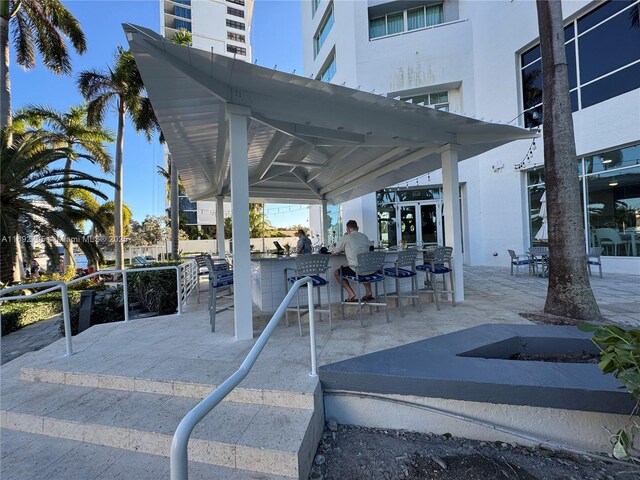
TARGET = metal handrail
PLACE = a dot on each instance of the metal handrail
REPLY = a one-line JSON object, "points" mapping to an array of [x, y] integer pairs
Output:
{"points": [[179, 458], [63, 286]]}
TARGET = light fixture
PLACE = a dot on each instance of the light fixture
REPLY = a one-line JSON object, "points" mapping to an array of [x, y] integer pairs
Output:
{"points": [[606, 160], [613, 183]]}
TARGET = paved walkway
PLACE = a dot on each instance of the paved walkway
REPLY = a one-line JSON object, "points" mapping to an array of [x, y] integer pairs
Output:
{"points": [[618, 297], [30, 338]]}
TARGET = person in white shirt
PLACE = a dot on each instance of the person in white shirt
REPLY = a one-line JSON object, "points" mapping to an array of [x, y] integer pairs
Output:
{"points": [[352, 243]]}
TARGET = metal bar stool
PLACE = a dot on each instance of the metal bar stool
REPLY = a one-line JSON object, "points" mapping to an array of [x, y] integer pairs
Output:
{"points": [[314, 266], [220, 279], [438, 262], [369, 270], [201, 260], [405, 267]]}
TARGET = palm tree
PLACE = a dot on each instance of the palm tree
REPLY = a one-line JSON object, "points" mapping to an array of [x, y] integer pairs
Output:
{"points": [[120, 88], [37, 24], [70, 130], [569, 293], [32, 196]]}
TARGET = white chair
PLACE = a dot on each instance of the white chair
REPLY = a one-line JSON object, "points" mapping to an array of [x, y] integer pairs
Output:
{"points": [[610, 239], [314, 266]]}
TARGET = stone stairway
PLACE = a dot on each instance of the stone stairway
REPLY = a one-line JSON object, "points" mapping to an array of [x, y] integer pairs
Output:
{"points": [[257, 432]]}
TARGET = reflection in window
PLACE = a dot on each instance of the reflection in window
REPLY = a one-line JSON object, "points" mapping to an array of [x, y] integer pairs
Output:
{"points": [[613, 200], [334, 222], [327, 73], [323, 31], [608, 49]]}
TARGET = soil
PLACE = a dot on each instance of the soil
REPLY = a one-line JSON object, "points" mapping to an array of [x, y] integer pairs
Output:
{"points": [[558, 357], [354, 453]]}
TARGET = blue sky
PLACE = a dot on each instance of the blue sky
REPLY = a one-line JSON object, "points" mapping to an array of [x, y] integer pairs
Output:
{"points": [[275, 39]]}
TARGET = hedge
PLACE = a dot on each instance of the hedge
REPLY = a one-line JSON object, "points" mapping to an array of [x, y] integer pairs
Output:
{"points": [[20, 313]]}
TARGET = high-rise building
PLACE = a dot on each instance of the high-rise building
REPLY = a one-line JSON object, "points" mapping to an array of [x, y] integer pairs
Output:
{"points": [[482, 59], [222, 27]]}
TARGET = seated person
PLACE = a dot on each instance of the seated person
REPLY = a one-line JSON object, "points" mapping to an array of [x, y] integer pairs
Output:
{"points": [[352, 244], [304, 243]]}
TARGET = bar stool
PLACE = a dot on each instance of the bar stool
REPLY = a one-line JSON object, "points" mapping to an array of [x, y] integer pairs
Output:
{"points": [[201, 261], [220, 279], [314, 266], [405, 267], [369, 270], [438, 262]]}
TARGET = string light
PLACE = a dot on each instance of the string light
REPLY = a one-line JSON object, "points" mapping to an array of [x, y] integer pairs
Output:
{"points": [[526, 161]]}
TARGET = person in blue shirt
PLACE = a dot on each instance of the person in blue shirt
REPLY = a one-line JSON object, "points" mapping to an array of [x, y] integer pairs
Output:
{"points": [[304, 243]]}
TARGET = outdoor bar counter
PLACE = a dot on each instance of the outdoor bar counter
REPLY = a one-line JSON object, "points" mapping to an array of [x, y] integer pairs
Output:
{"points": [[268, 279]]}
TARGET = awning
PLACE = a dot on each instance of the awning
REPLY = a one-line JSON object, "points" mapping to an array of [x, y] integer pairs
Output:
{"points": [[308, 140]]}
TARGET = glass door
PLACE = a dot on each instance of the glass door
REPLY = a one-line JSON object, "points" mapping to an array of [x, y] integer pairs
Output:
{"points": [[430, 225], [408, 231]]}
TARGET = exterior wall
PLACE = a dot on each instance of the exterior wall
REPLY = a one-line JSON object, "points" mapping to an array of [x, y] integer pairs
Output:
{"points": [[475, 55]]}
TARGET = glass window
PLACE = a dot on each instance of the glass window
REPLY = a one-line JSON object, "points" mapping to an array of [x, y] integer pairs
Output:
{"points": [[235, 12], [415, 18], [329, 71], [191, 217], [234, 24], [314, 6], [237, 2], [183, 2], [395, 23], [611, 45], [236, 37], [334, 222], [434, 14], [182, 12], [608, 52], [613, 200], [236, 50], [438, 100], [185, 204], [183, 24], [377, 27], [323, 31]]}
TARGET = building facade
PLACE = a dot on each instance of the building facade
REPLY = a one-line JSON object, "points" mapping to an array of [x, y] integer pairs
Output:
{"points": [[482, 59], [222, 27]]}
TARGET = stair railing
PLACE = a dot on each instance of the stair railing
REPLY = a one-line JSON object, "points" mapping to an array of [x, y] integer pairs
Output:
{"points": [[179, 458], [185, 286]]}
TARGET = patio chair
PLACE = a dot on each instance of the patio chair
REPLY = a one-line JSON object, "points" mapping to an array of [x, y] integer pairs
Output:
{"points": [[539, 258], [201, 260], [405, 267], [610, 239], [369, 269], [220, 280], [314, 266], [593, 258], [518, 259], [438, 262]]}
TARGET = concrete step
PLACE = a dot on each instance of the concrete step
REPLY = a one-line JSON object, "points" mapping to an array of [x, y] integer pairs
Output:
{"points": [[168, 383], [27, 456], [259, 438]]}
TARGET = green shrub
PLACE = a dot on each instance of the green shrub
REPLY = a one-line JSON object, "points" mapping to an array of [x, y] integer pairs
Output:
{"points": [[620, 356], [19, 313], [155, 290]]}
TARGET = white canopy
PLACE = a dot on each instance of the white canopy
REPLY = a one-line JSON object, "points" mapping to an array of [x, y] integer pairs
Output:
{"points": [[308, 140]]}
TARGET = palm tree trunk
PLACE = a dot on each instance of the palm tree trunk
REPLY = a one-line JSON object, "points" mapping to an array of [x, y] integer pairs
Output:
{"points": [[569, 293], [5, 89], [8, 252], [117, 196], [69, 260]]}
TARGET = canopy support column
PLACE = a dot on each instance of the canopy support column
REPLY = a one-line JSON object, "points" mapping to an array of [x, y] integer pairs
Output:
{"points": [[453, 214], [220, 226], [324, 221], [243, 311]]}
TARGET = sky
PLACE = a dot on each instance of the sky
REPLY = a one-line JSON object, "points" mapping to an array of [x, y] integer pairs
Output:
{"points": [[275, 40]]}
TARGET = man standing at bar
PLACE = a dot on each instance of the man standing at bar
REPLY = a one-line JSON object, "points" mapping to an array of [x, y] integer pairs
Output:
{"points": [[352, 244]]}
